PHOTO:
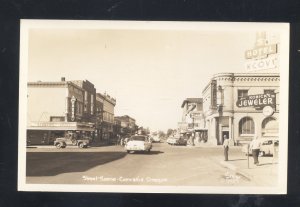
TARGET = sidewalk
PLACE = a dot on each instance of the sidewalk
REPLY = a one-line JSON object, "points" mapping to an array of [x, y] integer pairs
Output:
{"points": [[92, 144], [265, 174], [211, 145]]}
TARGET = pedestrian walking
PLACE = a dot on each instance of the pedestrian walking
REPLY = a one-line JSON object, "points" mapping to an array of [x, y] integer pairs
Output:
{"points": [[118, 139], [255, 147], [126, 140], [122, 141], [226, 147]]}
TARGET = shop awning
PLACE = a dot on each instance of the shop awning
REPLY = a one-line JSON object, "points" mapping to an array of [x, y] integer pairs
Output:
{"points": [[200, 129], [65, 126]]}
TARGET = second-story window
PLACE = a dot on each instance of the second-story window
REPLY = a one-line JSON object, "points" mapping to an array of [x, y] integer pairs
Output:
{"points": [[269, 91], [242, 93]]}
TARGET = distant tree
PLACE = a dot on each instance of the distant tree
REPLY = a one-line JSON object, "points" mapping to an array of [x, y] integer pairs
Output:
{"points": [[161, 134], [170, 132], [154, 133], [147, 130]]}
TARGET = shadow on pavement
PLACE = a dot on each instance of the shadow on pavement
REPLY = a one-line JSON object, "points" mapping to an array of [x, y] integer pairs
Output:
{"points": [[50, 164], [236, 159], [148, 153], [270, 163]]}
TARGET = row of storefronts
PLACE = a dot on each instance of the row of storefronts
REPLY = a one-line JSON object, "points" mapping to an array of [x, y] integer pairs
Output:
{"points": [[56, 108], [239, 105]]}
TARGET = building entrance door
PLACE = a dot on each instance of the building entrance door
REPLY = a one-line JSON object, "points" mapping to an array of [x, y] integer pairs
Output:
{"points": [[224, 133]]}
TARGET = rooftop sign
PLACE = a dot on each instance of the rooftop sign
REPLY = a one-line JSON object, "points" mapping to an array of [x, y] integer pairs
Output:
{"points": [[261, 52], [263, 55]]}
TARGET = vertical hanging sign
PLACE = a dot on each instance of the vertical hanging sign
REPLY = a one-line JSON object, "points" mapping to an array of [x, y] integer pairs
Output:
{"points": [[73, 100]]}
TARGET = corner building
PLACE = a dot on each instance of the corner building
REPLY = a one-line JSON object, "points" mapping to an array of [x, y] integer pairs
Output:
{"points": [[241, 106], [57, 107]]}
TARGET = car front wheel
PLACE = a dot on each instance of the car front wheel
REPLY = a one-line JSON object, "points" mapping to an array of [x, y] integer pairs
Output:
{"points": [[81, 145], [59, 145]]}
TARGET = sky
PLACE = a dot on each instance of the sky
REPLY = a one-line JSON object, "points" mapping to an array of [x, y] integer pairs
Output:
{"points": [[149, 71]]}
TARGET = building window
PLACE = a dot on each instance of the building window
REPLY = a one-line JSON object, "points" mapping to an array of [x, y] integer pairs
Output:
{"points": [[242, 93], [269, 91], [57, 118], [246, 126], [270, 127]]}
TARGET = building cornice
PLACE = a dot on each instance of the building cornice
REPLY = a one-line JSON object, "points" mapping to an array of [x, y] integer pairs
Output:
{"points": [[62, 84], [246, 77]]}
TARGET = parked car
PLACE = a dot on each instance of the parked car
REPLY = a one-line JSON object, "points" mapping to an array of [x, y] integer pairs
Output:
{"points": [[176, 140], [156, 139], [138, 143], [267, 147], [71, 140]]}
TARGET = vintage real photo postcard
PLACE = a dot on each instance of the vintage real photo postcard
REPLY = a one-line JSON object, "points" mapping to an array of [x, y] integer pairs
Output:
{"points": [[153, 107]]}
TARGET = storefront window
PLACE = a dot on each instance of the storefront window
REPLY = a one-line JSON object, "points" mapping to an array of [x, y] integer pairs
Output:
{"points": [[57, 118], [246, 126]]}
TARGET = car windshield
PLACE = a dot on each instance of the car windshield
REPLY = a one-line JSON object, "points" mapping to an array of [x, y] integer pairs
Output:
{"points": [[138, 138]]}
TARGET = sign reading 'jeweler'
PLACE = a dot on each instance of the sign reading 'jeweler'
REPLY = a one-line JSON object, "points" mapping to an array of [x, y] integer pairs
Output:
{"points": [[259, 100]]}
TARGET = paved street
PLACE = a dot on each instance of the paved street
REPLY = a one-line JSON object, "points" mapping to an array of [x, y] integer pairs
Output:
{"points": [[164, 165]]}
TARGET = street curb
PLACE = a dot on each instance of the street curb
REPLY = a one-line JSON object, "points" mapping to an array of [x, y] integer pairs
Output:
{"points": [[236, 170]]}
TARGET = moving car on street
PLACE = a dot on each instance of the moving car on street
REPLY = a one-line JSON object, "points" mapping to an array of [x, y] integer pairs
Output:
{"points": [[156, 139], [138, 143], [267, 147]]}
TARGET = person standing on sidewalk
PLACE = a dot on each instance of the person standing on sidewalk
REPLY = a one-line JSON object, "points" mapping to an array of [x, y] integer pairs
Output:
{"points": [[255, 147], [226, 147]]}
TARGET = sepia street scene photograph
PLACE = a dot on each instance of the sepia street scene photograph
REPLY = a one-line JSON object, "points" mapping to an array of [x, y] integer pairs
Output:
{"points": [[157, 107]]}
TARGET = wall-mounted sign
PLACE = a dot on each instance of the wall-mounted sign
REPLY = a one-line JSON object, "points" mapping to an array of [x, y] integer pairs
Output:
{"points": [[52, 124], [73, 100], [196, 115], [268, 111], [257, 101], [214, 93]]}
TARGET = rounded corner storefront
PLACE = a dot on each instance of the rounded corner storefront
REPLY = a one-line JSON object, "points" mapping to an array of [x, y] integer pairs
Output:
{"points": [[242, 106], [248, 125]]}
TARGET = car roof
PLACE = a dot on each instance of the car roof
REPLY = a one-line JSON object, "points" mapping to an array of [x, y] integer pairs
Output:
{"points": [[268, 139]]}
